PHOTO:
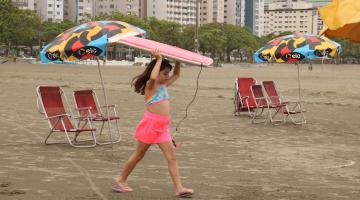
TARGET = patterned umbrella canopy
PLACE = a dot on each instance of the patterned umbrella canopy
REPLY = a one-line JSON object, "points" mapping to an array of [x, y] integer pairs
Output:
{"points": [[87, 40], [342, 19], [297, 47]]}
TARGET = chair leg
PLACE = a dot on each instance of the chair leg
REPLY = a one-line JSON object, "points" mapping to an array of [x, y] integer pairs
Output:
{"points": [[281, 109], [76, 134], [74, 145], [256, 116], [301, 119], [118, 134], [47, 137], [50, 133]]}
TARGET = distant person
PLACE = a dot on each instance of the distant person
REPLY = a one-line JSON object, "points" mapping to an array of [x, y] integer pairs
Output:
{"points": [[154, 126]]}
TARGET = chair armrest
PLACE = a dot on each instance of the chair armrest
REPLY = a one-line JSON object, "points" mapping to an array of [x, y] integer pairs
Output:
{"points": [[110, 106], [84, 108], [260, 98], [58, 116]]}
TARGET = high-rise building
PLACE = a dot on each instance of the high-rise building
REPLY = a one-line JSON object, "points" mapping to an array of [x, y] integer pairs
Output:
{"points": [[211, 11], [254, 16], [316, 4], [142, 9], [50, 10], [234, 12], [179, 11], [292, 16], [24, 4], [78, 10], [319, 3], [128, 7]]}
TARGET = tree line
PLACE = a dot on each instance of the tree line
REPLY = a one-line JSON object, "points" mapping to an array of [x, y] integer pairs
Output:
{"points": [[223, 42]]}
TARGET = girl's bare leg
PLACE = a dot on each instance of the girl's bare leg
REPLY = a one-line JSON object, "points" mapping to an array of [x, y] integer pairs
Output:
{"points": [[138, 154], [170, 155]]}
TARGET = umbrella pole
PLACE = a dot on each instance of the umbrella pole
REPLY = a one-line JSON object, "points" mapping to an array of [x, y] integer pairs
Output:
{"points": [[105, 98], [299, 86]]}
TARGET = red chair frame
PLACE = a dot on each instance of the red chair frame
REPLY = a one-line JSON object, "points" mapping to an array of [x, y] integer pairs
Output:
{"points": [[88, 107], [51, 100]]}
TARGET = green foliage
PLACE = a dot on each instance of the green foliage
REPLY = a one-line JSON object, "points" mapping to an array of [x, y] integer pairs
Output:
{"points": [[187, 37], [49, 30], [351, 51], [18, 27], [221, 41], [164, 31], [212, 39], [8, 12]]}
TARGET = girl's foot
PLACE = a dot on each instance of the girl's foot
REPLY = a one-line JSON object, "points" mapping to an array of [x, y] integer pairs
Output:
{"points": [[120, 186], [178, 146], [185, 192]]}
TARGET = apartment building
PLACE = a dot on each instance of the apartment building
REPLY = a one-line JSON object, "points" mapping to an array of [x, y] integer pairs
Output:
{"points": [[316, 4], [78, 10], [24, 4], [291, 15], [142, 8], [254, 16], [129, 7], [180, 11], [212, 11], [50, 10], [234, 12], [319, 3]]}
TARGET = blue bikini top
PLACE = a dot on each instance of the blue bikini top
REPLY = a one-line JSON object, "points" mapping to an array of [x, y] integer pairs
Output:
{"points": [[161, 95]]}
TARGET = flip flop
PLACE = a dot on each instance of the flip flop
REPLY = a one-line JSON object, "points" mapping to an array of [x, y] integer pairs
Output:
{"points": [[117, 188], [184, 194]]}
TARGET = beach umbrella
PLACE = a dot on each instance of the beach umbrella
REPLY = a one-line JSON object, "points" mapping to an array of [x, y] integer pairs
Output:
{"points": [[87, 41], [297, 47], [342, 19]]}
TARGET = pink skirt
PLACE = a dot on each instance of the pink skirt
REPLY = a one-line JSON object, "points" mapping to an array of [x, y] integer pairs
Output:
{"points": [[153, 129]]}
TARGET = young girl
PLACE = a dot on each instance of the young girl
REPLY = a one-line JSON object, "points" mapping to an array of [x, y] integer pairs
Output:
{"points": [[154, 126]]}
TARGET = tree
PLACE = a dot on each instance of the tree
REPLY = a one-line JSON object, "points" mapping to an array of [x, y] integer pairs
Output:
{"points": [[187, 39], [49, 30], [212, 39], [130, 19], [7, 13], [27, 31], [237, 38], [164, 31]]}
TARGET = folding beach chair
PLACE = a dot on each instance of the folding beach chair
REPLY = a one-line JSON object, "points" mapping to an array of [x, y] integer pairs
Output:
{"points": [[296, 114], [243, 99], [87, 105], [261, 104], [51, 100]]}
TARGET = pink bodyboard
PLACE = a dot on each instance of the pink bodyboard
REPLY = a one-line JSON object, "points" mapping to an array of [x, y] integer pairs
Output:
{"points": [[169, 51]]}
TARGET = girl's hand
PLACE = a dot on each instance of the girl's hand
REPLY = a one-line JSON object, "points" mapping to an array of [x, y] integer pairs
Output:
{"points": [[156, 53]]}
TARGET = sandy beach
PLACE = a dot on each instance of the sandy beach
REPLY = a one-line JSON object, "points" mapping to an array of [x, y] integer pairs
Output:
{"points": [[223, 156]]}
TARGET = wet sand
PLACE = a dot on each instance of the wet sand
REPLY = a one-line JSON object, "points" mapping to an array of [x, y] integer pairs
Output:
{"points": [[223, 156]]}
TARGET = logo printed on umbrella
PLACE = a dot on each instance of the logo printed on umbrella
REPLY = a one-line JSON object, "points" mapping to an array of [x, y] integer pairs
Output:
{"points": [[323, 53], [265, 57], [87, 52], [53, 55], [293, 57]]}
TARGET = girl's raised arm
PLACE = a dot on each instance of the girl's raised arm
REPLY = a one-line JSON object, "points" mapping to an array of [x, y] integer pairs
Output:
{"points": [[155, 72], [176, 74]]}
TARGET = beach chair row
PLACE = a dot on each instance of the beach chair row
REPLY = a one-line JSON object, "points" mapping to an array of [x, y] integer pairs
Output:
{"points": [[50, 102], [262, 102]]}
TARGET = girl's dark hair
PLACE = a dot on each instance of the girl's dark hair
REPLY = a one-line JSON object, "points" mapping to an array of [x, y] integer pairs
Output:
{"points": [[139, 81]]}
